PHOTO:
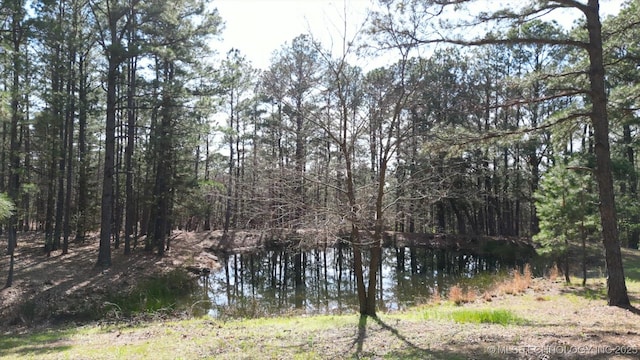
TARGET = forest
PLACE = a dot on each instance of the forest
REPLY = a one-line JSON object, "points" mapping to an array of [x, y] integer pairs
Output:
{"points": [[118, 117]]}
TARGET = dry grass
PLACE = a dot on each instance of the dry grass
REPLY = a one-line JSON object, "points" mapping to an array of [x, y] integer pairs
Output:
{"points": [[554, 273], [518, 283], [456, 295], [527, 273], [471, 295], [460, 296], [436, 296]]}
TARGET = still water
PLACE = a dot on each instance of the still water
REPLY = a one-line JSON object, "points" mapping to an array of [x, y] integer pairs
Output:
{"points": [[322, 281]]}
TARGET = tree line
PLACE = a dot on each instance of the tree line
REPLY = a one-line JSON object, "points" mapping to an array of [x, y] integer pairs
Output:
{"points": [[118, 117]]}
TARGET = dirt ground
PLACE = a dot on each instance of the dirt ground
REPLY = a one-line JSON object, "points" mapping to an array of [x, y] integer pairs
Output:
{"points": [[47, 290], [50, 290]]}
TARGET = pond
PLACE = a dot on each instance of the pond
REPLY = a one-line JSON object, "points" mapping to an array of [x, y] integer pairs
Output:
{"points": [[322, 281]]}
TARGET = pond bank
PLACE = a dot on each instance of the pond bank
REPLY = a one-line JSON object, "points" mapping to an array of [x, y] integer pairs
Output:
{"points": [[558, 322], [62, 288]]}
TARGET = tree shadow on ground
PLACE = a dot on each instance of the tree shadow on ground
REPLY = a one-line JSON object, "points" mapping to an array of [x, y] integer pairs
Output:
{"points": [[362, 336], [596, 287], [597, 291], [34, 344], [411, 350], [608, 344], [60, 289]]}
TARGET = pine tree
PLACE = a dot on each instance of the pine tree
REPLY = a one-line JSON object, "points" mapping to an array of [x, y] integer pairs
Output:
{"points": [[591, 46], [567, 210]]}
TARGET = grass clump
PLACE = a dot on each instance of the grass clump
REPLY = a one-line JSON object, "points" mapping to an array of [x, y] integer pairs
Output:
{"points": [[554, 273], [456, 295], [459, 296], [27, 311], [485, 316], [488, 287], [518, 283], [475, 316], [164, 293]]}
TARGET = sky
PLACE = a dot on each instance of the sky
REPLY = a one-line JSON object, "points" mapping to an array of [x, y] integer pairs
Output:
{"points": [[259, 27]]}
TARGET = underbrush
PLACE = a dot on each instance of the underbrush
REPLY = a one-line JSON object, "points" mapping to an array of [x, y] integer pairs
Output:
{"points": [[516, 283], [162, 294]]}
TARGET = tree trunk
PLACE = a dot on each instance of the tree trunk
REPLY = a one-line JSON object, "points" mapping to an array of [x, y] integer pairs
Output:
{"points": [[106, 219], [229, 203], [163, 146], [83, 178], [71, 109], [131, 132], [616, 287], [50, 203], [14, 145], [357, 268], [57, 108], [634, 234], [26, 198]]}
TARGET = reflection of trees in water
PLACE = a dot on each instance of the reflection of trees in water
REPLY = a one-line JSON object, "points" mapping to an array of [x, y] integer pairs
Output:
{"points": [[323, 281]]}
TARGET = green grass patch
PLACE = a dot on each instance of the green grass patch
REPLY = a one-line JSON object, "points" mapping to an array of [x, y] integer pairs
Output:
{"points": [[631, 263], [165, 293], [30, 340], [633, 285], [413, 354], [475, 316], [484, 316], [593, 294], [316, 322]]}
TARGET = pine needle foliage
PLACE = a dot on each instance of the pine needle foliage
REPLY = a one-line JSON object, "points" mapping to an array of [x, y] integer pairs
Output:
{"points": [[566, 203], [6, 207]]}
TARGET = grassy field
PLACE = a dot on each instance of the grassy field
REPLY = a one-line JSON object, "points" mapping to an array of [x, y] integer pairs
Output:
{"points": [[545, 317]]}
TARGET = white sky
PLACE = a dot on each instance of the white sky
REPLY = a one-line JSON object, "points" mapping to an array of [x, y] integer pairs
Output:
{"points": [[259, 27]]}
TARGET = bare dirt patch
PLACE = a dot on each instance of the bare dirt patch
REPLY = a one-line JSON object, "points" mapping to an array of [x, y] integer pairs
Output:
{"points": [[59, 288]]}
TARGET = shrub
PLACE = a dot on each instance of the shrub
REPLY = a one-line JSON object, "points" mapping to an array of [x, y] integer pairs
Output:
{"points": [[163, 293], [436, 296], [456, 295], [554, 273]]}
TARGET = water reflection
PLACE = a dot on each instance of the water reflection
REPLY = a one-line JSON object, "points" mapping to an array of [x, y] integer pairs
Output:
{"points": [[323, 281]]}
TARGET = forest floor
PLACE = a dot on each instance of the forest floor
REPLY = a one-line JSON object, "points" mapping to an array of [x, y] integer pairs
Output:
{"points": [[547, 319], [48, 290]]}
